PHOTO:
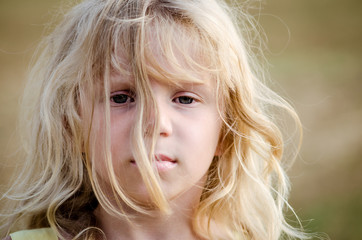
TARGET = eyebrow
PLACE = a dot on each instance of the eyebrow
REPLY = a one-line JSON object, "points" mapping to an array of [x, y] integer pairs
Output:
{"points": [[120, 80], [203, 88]]}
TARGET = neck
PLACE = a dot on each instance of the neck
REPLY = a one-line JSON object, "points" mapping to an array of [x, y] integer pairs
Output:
{"points": [[177, 225], [146, 227]]}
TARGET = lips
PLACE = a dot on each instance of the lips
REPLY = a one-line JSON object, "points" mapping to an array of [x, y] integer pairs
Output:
{"points": [[162, 163], [164, 158]]}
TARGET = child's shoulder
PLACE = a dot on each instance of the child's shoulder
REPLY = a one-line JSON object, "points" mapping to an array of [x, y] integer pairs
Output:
{"points": [[34, 234]]}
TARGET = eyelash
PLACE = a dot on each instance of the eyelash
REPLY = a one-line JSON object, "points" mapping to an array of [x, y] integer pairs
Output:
{"points": [[127, 97], [122, 98], [189, 100]]}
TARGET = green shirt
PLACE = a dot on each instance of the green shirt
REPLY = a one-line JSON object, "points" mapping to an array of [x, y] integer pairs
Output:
{"points": [[34, 234]]}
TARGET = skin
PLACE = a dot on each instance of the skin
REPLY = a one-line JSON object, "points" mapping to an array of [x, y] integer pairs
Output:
{"points": [[188, 137], [187, 142]]}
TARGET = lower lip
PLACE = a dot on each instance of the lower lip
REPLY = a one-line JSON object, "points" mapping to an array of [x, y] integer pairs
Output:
{"points": [[162, 166]]}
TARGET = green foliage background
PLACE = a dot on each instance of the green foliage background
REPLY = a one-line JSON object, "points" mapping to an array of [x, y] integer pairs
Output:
{"points": [[315, 57]]}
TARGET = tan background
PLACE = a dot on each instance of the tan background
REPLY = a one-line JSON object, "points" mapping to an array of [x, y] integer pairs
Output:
{"points": [[317, 66]]}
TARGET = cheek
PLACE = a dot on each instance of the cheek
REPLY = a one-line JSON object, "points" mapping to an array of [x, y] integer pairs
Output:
{"points": [[120, 141], [207, 131], [121, 135], [97, 140], [202, 142]]}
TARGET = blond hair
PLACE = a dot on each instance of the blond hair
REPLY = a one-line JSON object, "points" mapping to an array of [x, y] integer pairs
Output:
{"points": [[246, 189]]}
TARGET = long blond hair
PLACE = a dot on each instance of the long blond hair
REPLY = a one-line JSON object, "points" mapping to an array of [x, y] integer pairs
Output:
{"points": [[246, 189]]}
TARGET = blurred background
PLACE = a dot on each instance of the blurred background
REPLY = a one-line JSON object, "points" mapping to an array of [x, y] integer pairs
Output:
{"points": [[315, 56]]}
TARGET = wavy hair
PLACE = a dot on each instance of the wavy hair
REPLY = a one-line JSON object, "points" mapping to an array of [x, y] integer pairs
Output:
{"points": [[246, 190]]}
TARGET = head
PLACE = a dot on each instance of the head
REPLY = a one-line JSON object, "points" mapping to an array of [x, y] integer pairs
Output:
{"points": [[110, 69]]}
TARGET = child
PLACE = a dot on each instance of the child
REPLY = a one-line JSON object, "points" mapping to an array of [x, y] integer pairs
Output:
{"points": [[144, 119]]}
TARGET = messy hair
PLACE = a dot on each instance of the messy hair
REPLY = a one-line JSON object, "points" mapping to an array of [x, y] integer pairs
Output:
{"points": [[246, 191]]}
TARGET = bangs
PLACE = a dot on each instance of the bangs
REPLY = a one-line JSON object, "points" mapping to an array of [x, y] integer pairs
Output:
{"points": [[166, 49], [175, 53]]}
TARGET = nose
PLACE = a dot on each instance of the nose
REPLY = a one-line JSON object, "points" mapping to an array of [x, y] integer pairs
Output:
{"points": [[165, 122]]}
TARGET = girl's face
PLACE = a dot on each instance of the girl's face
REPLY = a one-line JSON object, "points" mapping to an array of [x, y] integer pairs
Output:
{"points": [[187, 139]]}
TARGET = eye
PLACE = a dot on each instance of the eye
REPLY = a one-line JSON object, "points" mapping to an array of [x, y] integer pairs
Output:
{"points": [[122, 98], [184, 100]]}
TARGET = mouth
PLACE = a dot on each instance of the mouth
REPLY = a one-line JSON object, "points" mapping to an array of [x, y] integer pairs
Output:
{"points": [[162, 162], [164, 158]]}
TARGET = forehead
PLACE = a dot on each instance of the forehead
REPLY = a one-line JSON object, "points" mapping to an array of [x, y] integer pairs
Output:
{"points": [[118, 81]]}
